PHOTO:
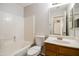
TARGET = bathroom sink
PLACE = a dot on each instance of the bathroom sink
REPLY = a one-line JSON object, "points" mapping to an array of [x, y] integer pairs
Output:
{"points": [[56, 40], [61, 41], [65, 42]]}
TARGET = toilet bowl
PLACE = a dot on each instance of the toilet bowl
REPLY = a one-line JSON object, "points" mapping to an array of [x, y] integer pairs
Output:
{"points": [[35, 50]]}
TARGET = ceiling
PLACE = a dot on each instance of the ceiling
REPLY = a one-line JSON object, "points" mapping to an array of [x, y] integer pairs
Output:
{"points": [[24, 4]]}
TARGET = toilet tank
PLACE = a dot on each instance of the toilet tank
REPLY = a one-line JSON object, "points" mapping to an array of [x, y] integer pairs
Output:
{"points": [[39, 40]]}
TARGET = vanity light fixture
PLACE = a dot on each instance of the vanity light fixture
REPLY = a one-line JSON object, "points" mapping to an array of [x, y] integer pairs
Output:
{"points": [[55, 4]]}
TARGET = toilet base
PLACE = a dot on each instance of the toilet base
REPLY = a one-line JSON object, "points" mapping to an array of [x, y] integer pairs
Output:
{"points": [[34, 51]]}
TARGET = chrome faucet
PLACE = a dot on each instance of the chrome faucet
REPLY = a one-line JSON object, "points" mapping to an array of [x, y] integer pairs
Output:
{"points": [[59, 38]]}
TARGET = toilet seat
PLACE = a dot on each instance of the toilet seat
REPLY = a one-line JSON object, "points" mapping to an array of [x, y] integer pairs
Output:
{"points": [[34, 50]]}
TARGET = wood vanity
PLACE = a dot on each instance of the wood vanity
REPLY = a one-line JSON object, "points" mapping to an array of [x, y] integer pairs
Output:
{"points": [[52, 49], [57, 50]]}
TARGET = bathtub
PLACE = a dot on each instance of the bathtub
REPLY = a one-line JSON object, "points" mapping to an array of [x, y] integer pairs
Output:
{"points": [[14, 48], [22, 51]]}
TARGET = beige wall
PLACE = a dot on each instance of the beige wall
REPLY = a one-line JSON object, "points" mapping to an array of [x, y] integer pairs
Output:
{"points": [[28, 29], [40, 11]]}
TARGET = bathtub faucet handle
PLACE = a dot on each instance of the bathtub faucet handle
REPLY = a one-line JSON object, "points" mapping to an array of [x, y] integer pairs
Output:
{"points": [[14, 38]]}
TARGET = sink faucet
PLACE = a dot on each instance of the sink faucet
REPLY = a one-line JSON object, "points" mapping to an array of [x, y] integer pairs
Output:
{"points": [[59, 38]]}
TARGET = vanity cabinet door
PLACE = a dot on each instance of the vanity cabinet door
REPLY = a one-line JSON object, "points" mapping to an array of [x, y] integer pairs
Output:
{"points": [[50, 50], [51, 47], [50, 53], [56, 50], [66, 51]]}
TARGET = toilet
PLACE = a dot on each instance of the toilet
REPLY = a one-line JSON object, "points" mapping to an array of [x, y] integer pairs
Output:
{"points": [[35, 50]]}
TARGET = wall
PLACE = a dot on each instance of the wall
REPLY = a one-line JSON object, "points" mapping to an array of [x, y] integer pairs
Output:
{"points": [[40, 11], [28, 29], [11, 26]]}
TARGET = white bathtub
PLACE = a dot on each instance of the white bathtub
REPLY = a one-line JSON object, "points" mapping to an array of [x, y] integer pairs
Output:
{"points": [[22, 51], [14, 48]]}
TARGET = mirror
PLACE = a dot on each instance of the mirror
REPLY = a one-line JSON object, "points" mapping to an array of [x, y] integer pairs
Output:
{"points": [[75, 18], [61, 20]]}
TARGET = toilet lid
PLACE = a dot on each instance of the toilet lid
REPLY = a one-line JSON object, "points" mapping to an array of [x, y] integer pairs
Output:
{"points": [[34, 50]]}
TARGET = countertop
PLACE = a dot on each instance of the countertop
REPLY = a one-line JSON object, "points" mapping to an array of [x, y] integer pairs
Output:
{"points": [[64, 42]]}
